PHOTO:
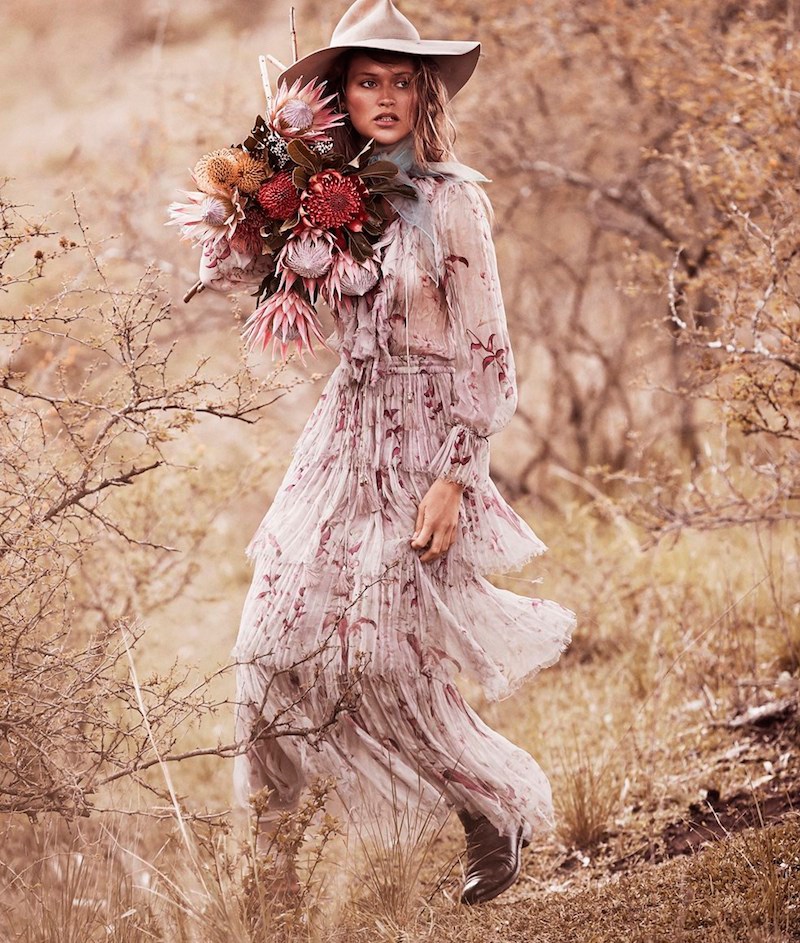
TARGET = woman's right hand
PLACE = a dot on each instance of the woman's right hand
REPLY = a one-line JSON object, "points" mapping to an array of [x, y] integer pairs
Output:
{"points": [[219, 272], [437, 519]]}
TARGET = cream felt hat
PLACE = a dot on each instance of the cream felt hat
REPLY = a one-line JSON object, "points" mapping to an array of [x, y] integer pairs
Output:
{"points": [[378, 24]]}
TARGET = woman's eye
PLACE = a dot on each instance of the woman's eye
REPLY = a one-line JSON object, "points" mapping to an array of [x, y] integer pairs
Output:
{"points": [[404, 82]]}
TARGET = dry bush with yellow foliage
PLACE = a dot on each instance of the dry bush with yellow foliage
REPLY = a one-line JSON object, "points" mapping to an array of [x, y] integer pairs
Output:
{"points": [[643, 167], [99, 509]]}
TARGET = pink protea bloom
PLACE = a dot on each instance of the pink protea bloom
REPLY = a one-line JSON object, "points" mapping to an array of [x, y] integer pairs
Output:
{"points": [[348, 277], [284, 318], [306, 257], [205, 218], [302, 112]]}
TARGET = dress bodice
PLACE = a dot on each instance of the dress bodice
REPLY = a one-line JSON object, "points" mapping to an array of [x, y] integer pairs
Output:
{"points": [[407, 311]]}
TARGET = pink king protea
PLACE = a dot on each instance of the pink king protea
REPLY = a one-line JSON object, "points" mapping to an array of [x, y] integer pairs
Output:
{"points": [[348, 277], [285, 318], [307, 257], [302, 112], [205, 218]]}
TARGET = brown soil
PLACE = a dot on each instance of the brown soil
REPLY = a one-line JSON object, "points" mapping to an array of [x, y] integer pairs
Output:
{"points": [[720, 815]]}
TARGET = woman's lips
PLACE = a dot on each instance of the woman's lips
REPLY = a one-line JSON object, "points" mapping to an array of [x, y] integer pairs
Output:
{"points": [[386, 120]]}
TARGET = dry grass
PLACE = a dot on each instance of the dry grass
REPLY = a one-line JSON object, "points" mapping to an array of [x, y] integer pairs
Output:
{"points": [[625, 758], [630, 726], [746, 888], [588, 797]]}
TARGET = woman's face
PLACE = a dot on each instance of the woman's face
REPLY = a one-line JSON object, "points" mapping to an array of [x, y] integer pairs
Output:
{"points": [[374, 89]]}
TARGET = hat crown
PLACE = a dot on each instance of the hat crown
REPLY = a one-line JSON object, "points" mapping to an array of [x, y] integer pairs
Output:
{"points": [[373, 19]]}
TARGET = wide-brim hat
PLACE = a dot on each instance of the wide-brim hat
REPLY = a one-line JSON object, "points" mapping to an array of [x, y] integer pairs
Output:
{"points": [[378, 24]]}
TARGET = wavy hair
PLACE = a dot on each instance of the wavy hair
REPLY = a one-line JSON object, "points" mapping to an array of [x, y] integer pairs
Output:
{"points": [[433, 129]]}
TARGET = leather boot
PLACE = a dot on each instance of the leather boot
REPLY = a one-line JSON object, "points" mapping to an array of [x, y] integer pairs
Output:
{"points": [[493, 860]]}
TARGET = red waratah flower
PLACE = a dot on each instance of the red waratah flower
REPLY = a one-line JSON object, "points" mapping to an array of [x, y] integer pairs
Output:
{"points": [[279, 197], [247, 235], [333, 201]]}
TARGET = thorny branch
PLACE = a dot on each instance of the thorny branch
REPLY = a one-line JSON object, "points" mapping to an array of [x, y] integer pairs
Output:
{"points": [[93, 396]]}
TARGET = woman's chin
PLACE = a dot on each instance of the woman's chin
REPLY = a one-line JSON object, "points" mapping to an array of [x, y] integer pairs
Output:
{"points": [[385, 136]]}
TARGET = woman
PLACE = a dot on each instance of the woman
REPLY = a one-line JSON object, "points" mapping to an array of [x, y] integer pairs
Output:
{"points": [[368, 594]]}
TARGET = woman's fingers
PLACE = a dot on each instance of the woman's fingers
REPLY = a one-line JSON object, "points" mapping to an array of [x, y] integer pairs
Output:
{"points": [[440, 542], [422, 530], [436, 524], [420, 518]]}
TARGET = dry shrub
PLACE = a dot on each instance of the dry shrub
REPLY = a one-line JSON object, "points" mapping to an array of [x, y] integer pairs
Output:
{"points": [[95, 409], [270, 911], [139, 881]]}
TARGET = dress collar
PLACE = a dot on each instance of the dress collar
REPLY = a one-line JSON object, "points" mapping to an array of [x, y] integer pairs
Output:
{"points": [[402, 154], [418, 212]]}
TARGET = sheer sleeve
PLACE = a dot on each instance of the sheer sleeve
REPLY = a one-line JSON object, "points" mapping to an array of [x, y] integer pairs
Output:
{"points": [[485, 391], [221, 268]]}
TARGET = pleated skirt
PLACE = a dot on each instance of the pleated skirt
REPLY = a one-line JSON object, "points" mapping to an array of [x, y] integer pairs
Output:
{"points": [[350, 647]]}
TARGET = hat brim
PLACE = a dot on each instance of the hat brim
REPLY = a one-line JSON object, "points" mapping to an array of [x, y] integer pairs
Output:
{"points": [[457, 60]]}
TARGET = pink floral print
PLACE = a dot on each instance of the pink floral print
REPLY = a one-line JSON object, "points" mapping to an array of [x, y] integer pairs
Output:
{"points": [[340, 604]]}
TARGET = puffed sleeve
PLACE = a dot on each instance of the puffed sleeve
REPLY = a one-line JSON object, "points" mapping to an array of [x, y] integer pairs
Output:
{"points": [[485, 390], [221, 268]]}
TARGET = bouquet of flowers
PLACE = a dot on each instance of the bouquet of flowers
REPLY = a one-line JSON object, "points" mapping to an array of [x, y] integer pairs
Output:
{"points": [[284, 203]]}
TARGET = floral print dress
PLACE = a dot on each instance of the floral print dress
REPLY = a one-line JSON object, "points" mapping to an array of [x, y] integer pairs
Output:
{"points": [[350, 646]]}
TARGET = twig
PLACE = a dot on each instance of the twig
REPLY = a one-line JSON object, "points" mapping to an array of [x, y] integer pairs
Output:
{"points": [[262, 65], [276, 62], [194, 290], [293, 31]]}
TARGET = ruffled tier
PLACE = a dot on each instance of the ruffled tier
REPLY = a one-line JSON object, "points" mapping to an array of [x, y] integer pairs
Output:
{"points": [[339, 598], [363, 462]]}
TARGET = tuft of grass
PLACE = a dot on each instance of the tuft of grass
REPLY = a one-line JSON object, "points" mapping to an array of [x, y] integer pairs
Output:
{"points": [[398, 867], [586, 797]]}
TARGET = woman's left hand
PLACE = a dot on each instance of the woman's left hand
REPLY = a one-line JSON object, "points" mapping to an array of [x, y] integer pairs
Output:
{"points": [[437, 519]]}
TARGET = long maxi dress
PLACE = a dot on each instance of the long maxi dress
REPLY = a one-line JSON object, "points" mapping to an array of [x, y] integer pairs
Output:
{"points": [[349, 645]]}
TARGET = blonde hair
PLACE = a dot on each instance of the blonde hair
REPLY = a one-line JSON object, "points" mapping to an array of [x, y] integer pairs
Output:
{"points": [[433, 129]]}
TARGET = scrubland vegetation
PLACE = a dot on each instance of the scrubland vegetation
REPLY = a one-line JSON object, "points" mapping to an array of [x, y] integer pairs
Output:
{"points": [[644, 177]]}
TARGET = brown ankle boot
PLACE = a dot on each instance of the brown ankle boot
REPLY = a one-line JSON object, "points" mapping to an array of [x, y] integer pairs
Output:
{"points": [[493, 860], [470, 820]]}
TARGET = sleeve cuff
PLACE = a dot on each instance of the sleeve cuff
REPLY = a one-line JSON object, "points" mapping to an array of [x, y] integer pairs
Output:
{"points": [[463, 457]]}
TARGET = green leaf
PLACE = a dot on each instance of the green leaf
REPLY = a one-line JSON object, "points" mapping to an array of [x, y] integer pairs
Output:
{"points": [[360, 246], [332, 160], [403, 189], [300, 177], [380, 168], [303, 155], [363, 154]]}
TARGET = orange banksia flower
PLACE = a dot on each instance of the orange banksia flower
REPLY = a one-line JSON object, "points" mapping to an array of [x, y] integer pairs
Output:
{"points": [[217, 171], [251, 173]]}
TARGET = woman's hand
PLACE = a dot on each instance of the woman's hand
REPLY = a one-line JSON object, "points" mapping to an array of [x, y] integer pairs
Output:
{"points": [[437, 518], [219, 271]]}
